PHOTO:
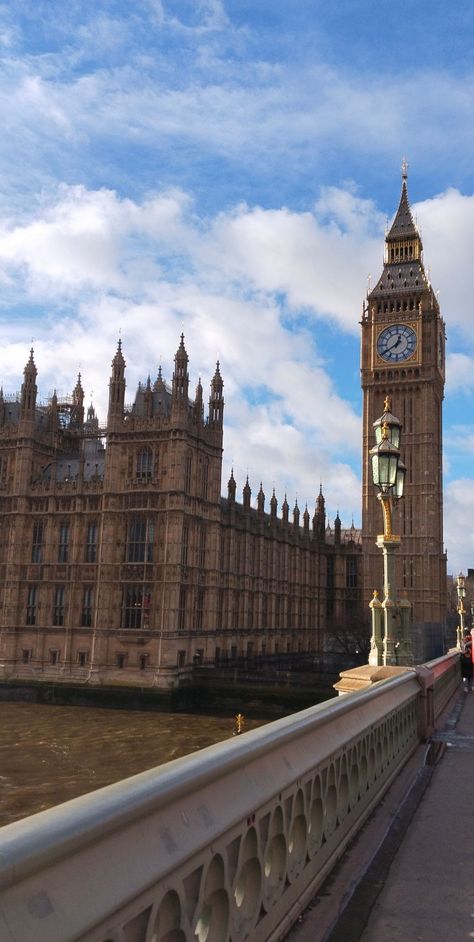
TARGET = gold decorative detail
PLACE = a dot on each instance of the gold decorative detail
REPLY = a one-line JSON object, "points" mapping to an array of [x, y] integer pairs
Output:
{"points": [[385, 431], [387, 404], [387, 517], [375, 594]]}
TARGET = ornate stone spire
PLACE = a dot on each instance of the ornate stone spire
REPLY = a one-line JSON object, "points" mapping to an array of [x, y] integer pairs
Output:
{"points": [[117, 386], [148, 399], [180, 376], [261, 500], [77, 417], [296, 514], [198, 404], [216, 400], [231, 486], [78, 392], [273, 505], [29, 389], [403, 262], [247, 494], [159, 383], [92, 420], [319, 519], [403, 226]]}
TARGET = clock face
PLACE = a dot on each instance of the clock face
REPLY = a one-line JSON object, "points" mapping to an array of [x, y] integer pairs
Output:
{"points": [[396, 343]]}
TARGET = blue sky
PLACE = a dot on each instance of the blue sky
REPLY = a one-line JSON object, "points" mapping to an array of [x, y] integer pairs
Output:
{"points": [[227, 168]]}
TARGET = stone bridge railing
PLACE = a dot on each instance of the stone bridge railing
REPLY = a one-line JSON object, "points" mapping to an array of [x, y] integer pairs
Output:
{"points": [[224, 845]]}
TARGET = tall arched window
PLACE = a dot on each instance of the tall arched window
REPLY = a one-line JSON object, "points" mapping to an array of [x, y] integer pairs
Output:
{"points": [[140, 537], [144, 463], [188, 463]]}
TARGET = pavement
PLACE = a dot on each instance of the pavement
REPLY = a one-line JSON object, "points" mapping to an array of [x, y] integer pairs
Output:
{"points": [[409, 877]]}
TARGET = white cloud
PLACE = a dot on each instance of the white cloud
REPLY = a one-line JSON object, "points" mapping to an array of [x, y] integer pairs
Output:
{"points": [[459, 372], [459, 524], [237, 284], [447, 225], [154, 269]]}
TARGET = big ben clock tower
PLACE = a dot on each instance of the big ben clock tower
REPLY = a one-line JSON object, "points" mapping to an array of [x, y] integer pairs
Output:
{"points": [[403, 356]]}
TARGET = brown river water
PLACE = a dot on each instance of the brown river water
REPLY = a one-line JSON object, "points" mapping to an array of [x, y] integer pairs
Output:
{"points": [[49, 754]]}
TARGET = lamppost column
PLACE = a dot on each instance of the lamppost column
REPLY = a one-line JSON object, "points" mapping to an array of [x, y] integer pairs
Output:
{"points": [[389, 604], [376, 641], [388, 474]]}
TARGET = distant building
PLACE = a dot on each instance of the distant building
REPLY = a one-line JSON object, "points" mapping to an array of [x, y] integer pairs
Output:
{"points": [[120, 562]]}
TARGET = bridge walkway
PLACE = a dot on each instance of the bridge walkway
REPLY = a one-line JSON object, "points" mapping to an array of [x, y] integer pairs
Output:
{"points": [[419, 887]]}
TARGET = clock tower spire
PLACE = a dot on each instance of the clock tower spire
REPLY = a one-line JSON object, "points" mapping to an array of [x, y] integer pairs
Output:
{"points": [[402, 356]]}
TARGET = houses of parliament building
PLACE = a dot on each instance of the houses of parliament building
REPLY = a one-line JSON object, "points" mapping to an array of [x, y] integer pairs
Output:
{"points": [[120, 560]]}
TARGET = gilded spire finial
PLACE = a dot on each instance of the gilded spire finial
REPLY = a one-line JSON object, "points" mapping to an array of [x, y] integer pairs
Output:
{"points": [[387, 404], [404, 169]]}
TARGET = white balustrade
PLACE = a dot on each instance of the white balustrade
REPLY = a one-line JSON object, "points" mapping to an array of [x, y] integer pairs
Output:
{"points": [[224, 845]]}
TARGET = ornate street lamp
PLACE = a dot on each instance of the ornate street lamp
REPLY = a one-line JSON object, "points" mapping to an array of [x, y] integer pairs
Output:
{"points": [[393, 646], [461, 590]]}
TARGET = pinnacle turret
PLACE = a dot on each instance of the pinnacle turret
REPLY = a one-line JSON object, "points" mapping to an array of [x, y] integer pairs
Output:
{"points": [[216, 399], [117, 386], [180, 376], [231, 486], [159, 383], [296, 514], [273, 505], [29, 389], [247, 494], [319, 519], [198, 404]]}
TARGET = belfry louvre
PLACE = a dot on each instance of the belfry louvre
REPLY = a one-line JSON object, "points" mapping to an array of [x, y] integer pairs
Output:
{"points": [[121, 562]]}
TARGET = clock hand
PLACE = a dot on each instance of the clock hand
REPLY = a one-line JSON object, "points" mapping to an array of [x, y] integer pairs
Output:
{"points": [[391, 346]]}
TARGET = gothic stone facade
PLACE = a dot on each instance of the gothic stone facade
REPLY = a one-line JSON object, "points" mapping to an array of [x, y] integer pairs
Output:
{"points": [[120, 561], [403, 356]]}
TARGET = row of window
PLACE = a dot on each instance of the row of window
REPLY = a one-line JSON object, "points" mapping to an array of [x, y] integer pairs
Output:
{"points": [[59, 605], [135, 606], [144, 470], [140, 539], [37, 547]]}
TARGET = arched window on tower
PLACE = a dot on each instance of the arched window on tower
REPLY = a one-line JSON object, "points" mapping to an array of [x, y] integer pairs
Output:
{"points": [[187, 473], [205, 478], [140, 539], [38, 540], [144, 463]]}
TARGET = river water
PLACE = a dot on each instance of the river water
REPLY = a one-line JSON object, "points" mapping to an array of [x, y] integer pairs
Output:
{"points": [[49, 754]]}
